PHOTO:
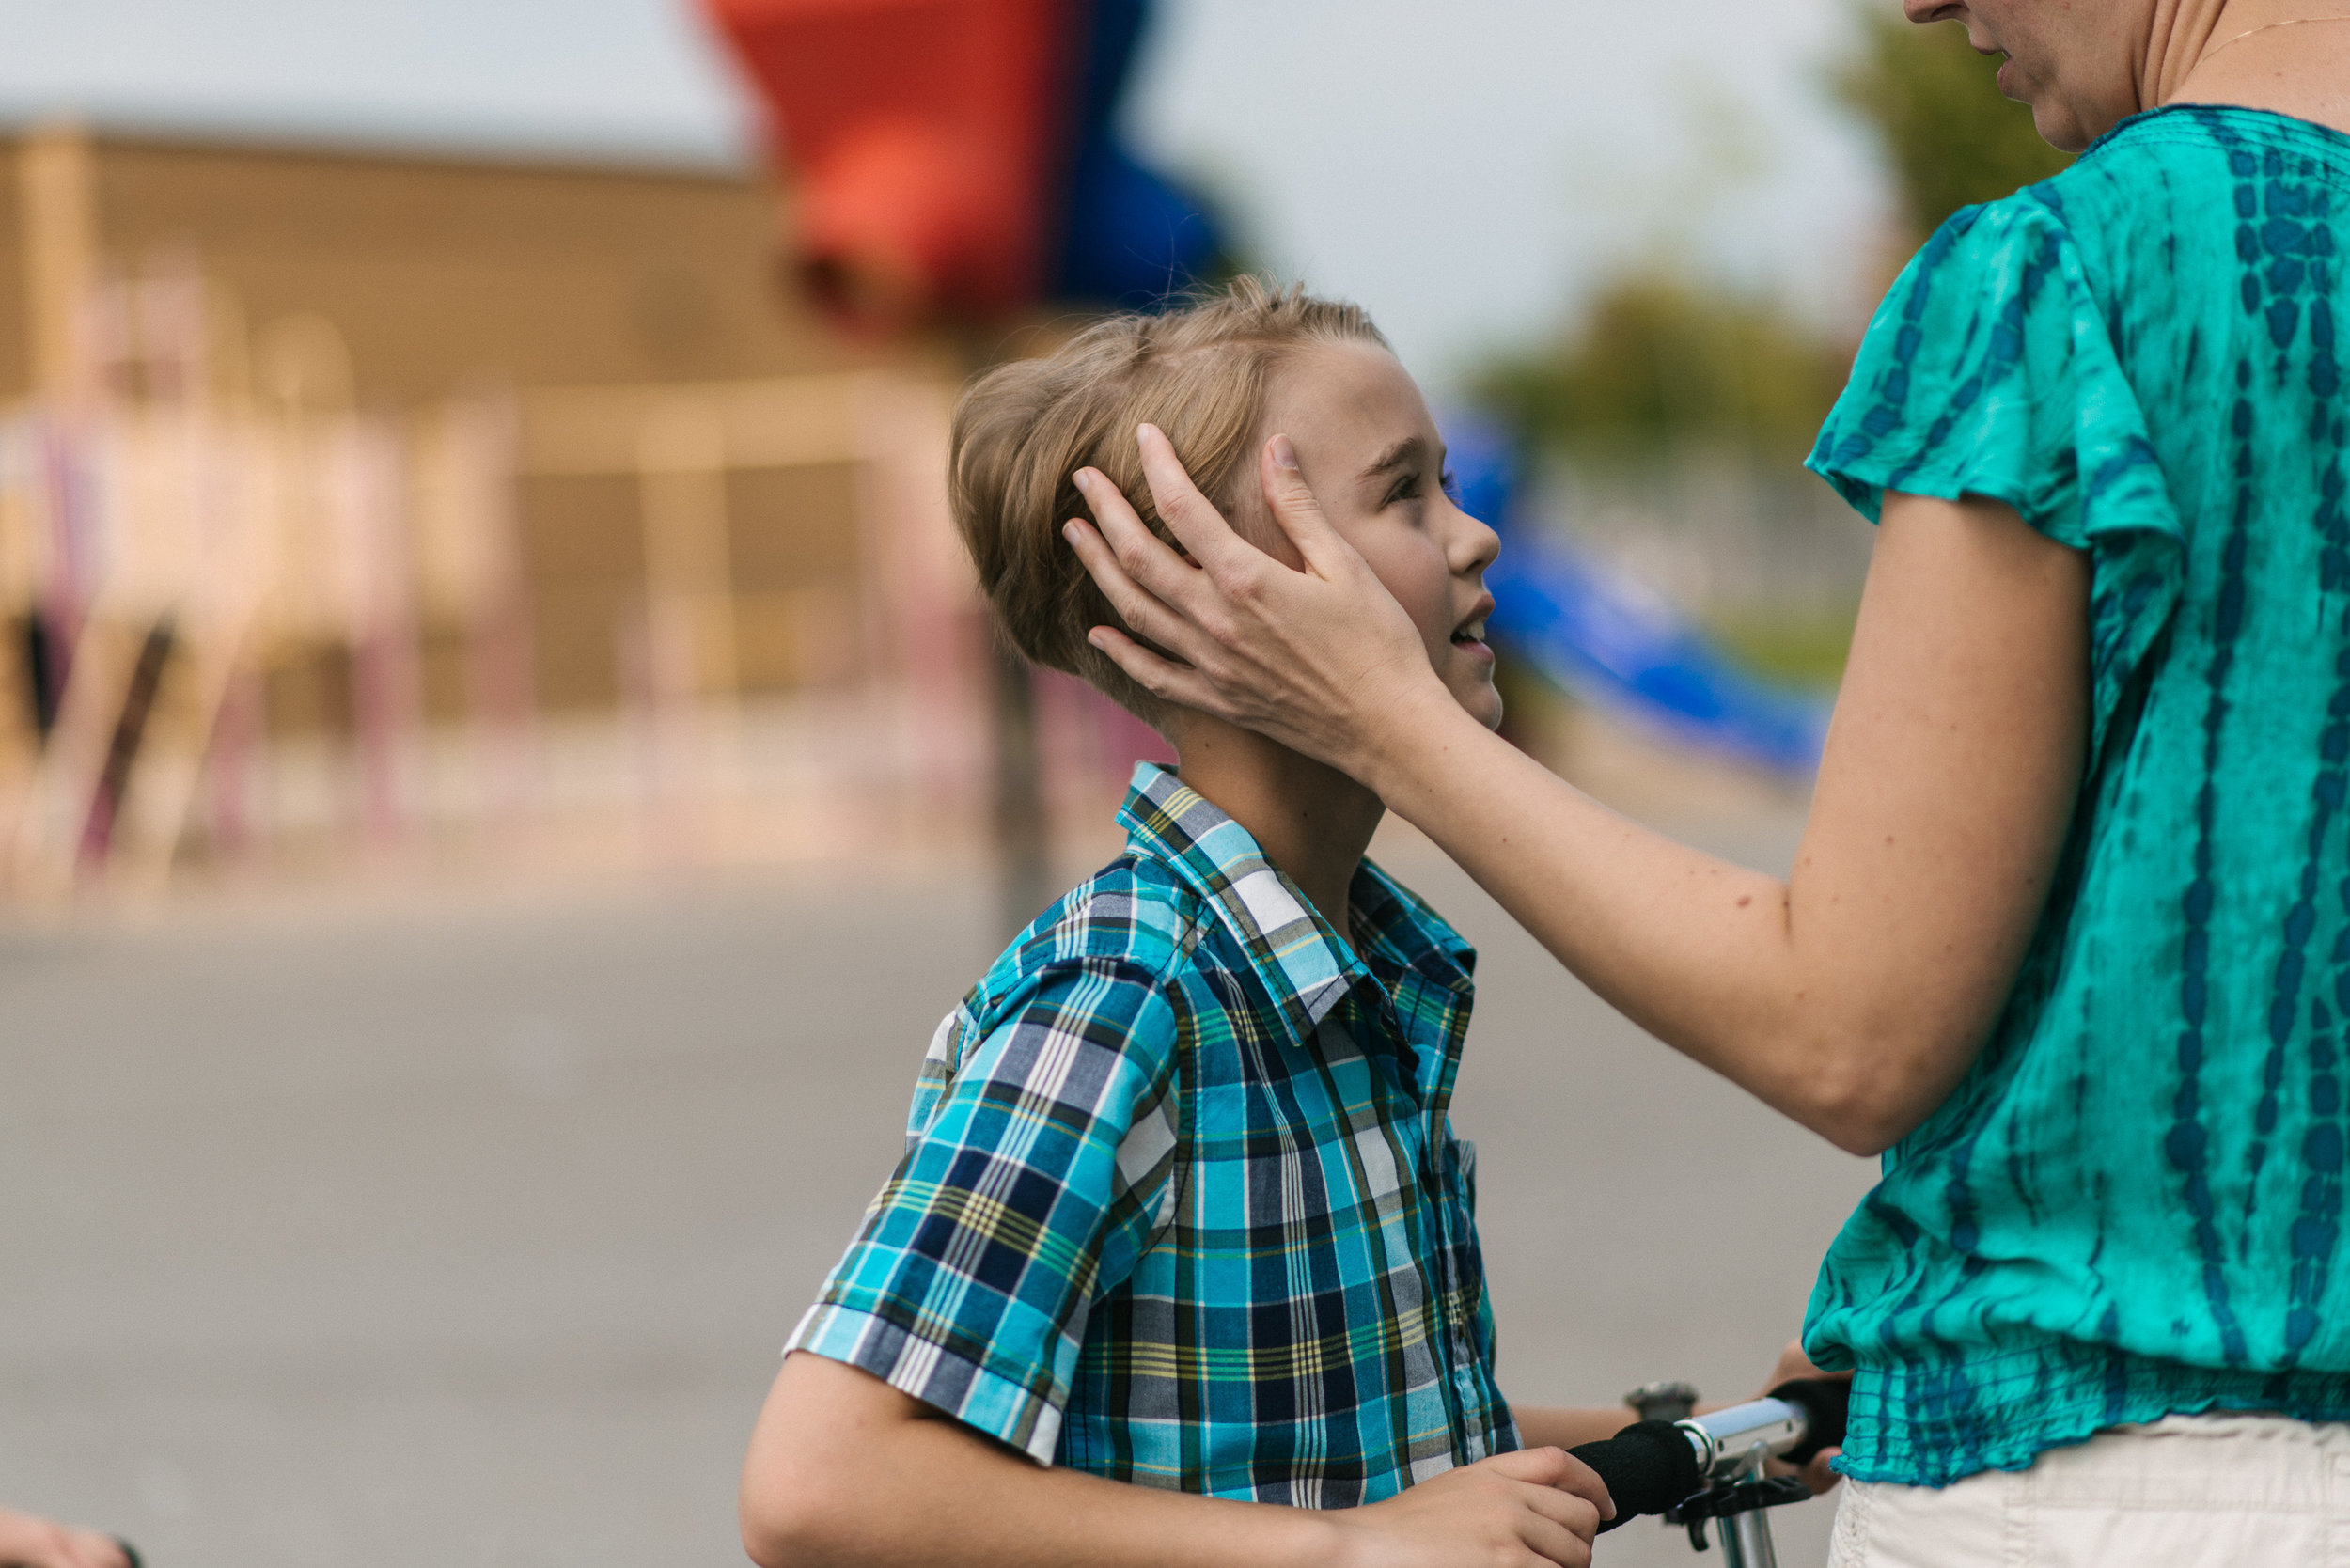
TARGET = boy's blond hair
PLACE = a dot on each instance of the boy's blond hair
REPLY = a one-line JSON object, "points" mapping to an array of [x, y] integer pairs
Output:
{"points": [[1022, 430]]}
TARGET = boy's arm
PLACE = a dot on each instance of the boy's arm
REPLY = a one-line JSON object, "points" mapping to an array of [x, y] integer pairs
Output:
{"points": [[846, 1471], [1561, 1426]]}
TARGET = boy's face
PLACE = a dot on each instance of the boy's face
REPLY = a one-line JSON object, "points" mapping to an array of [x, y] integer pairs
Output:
{"points": [[1369, 448]]}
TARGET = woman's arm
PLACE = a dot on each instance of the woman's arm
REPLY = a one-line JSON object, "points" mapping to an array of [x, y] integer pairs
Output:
{"points": [[845, 1471], [1852, 996]]}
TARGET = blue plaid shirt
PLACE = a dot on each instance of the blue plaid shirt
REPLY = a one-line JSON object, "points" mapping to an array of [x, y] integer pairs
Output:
{"points": [[1180, 1203]]}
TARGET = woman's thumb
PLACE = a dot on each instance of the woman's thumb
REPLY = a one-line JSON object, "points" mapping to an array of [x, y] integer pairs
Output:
{"points": [[1294, 506]]}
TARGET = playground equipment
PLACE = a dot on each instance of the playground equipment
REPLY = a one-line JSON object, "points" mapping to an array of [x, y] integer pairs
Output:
{"points": [[1609, 641], [319, 566], [958, 160], [167, 561], [366, 555]]}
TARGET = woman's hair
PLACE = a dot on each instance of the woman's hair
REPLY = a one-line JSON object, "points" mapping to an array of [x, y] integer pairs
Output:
{"points": [[1022, 430]]}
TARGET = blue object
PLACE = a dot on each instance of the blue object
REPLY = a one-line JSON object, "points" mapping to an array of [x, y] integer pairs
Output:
{"points": [[1612, 642], [1131, 239], [1618, 645]]}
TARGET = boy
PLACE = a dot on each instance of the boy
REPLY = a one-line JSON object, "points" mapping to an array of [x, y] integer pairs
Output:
{"points": [[1181, 1211]]}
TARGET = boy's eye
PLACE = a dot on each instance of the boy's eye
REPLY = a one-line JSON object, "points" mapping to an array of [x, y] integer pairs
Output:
{"points": [[1451, 482], [1405, 487]]}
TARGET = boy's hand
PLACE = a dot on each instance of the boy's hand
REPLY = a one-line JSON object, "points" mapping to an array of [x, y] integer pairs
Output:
{"points": [[1794, 1364], [1523, 1510]]}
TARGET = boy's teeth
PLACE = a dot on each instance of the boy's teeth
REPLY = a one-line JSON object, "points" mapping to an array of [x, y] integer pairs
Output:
{"points": [[1473, 632]]}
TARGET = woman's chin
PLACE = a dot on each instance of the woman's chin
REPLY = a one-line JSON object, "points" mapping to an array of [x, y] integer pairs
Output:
{"points": [[2059, 126]]}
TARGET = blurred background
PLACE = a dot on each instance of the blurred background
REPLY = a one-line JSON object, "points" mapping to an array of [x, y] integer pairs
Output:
{"points": [[501, 764]]}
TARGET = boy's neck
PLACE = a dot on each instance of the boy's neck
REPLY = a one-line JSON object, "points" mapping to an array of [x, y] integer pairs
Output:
{"points": [[1312, 822]]}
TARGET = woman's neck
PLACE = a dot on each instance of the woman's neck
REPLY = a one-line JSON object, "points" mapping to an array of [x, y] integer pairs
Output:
{"points": [[1312, 822], [2291, 56]]}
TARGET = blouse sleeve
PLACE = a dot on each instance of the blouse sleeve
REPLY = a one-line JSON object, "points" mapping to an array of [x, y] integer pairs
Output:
{"points": [[1991, 370]]}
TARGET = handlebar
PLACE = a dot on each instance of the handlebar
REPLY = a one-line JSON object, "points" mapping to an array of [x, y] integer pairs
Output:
{"points": [[1654, 1467]]}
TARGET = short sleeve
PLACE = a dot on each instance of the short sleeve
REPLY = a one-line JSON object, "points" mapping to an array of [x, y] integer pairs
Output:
{"points": [[1991, 370], [1035, 1183]]}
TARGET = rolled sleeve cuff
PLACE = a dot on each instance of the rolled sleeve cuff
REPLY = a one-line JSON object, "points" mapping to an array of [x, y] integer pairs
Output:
{"points": [[923, 1366]]}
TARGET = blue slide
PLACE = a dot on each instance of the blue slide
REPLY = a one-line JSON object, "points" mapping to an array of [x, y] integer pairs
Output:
{"points": [[1617, 645]]}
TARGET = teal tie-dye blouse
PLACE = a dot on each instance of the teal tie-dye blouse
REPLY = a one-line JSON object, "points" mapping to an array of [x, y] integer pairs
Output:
{"points": [[2133, 1204]]}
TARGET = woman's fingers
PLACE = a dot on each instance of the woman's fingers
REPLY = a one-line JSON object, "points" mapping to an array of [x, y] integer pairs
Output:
{"points": [[1299, 512], [1146, 582], [1143, 611], [1144, 558], [1162, 677], [1191, 516]]}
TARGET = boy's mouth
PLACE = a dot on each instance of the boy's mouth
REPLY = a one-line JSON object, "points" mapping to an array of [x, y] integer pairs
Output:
{"points": [[1470, 634]]}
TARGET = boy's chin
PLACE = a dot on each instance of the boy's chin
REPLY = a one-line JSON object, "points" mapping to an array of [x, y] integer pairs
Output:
{"points": [[1483, 704]]}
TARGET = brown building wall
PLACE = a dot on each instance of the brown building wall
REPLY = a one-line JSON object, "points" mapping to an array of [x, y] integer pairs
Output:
{"points": [[15, 371], [444, 272], [583, 550], [795, 560], [447, 276]]}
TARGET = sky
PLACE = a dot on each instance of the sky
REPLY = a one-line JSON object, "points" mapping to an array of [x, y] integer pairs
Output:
{"points": [[1469, 170]]}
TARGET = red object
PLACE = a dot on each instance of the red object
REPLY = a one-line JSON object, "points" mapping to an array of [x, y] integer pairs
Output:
{"points": [[922, 135]]}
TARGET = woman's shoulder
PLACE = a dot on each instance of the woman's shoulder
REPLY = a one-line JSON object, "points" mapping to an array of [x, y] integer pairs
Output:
{"points": [[2160, 208], [2243, 143], [2190, 172], [1997, 366]]}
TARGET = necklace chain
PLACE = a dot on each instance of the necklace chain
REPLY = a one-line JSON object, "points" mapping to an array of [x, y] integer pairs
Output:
{"points": [[2267, 27]]}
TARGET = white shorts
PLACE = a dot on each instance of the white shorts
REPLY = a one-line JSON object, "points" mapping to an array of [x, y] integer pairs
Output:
{"points": [[2184, 1492]]}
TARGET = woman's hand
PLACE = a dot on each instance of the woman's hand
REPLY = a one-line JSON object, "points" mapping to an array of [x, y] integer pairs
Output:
{"points": [[1321, 658], [28, 1540], [1794, 1366]]}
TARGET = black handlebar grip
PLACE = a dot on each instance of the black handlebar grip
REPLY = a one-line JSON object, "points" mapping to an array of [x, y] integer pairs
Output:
{"points": [[1648, 1466], [1826, 1400]]}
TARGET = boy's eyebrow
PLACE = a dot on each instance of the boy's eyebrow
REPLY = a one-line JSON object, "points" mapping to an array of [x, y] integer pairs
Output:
{"points": [[1396, 456]]}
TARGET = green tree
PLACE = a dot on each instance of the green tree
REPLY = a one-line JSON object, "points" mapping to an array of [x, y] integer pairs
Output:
{"points": [[1949, 137], [1659, 363]]}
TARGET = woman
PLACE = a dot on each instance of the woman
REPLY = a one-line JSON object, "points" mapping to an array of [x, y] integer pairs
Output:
{"points": [[2068, 938]]}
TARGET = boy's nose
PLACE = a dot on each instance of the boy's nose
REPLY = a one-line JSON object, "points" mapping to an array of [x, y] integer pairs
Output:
{"points": [[1479, 547]]}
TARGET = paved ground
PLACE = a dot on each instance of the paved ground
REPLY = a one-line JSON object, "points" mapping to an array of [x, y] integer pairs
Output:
{"points": [[466, 1233]]}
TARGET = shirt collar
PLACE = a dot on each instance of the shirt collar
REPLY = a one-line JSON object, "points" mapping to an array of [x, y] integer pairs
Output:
{"points": [[1299, 956]]}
